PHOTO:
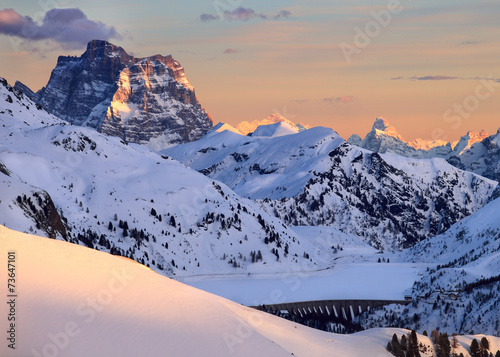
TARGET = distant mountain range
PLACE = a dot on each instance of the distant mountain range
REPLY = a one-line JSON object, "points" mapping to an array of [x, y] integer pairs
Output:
{"points": [[475, 152], [316, 178], [384, 138]]}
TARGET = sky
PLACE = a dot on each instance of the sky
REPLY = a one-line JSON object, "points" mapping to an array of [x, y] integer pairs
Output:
{"points": [[430, 68]]}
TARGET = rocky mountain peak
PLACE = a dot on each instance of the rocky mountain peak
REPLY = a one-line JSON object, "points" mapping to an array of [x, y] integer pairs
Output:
{"points": [[142, 100], [382, 126], [100, 48]]}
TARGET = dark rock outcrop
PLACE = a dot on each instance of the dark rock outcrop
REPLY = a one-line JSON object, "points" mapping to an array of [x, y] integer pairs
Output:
{"points": [[141, 100]]}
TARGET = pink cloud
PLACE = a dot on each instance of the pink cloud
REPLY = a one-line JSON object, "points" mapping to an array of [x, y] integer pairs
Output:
{"points": [[68, 26]]}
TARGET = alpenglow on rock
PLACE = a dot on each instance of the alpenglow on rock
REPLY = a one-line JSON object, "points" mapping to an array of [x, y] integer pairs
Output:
{"points": [[141, 100]]}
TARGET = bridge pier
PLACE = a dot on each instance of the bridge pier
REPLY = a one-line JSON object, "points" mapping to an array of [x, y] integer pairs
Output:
{"points": [[343, 309]]}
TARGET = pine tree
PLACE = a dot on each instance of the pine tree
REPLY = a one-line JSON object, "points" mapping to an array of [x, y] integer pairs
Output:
{"points": [[404, 343], [259, 256], [389, 347], [485, 345], [444, 345], [454, 341], [396, 347], [474, 348], [413, 344]]}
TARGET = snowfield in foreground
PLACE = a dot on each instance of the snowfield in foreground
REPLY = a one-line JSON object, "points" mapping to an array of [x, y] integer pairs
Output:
{"points": [[74, 301]]}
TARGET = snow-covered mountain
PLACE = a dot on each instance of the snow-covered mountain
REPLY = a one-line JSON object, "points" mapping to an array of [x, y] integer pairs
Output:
{"points": [[461, 293], [115, 307], [277, 129], [246, 127], [315, 178], [475, 152], [482, 158], [384, 138], [76, 184], [141, 100], [220, 127]]}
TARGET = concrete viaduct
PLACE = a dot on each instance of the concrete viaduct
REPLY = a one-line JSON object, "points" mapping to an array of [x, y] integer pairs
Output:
{"points": [[339, 309]]}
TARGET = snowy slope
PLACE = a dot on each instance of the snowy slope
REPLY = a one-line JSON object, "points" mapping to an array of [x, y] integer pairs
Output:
{"points": [[130, 201], [482, 158], [315, 178], [453, 295], [274, 130], [220, 127], [260, 167], [73, 301]]}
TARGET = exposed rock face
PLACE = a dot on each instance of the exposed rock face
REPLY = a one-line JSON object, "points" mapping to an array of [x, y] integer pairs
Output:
{"points": [[24, 89], [390, 206], [384, 138], [142, 100], [482, 158], [154, 104], [40, 207]]}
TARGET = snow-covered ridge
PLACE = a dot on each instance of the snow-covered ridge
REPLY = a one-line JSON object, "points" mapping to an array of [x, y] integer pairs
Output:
{"points": [[116, 307], [246, 127], [130, 201], [277, 129], [384, 138], [315, 178]]}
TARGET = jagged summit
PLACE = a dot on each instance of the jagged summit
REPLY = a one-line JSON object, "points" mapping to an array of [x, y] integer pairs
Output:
{"points": [[220, 127], [101, 48], [142, 100], [382, 126], [384, 138], [246, 127]]}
